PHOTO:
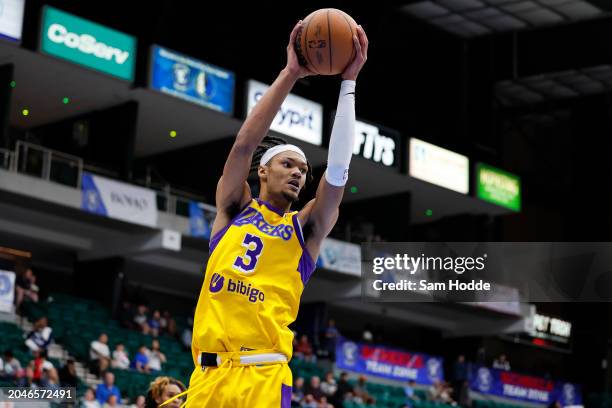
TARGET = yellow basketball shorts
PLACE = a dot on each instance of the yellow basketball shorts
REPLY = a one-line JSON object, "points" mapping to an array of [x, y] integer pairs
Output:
{"points": [[251, 386]]}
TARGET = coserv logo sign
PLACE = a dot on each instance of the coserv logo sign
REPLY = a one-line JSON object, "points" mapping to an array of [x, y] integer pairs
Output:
{"points": [[298, 117], [87, 43]]}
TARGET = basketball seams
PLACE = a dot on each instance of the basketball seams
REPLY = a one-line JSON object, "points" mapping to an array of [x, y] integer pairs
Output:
{"points": [[306, 54], [329, 44], [353, 52]]}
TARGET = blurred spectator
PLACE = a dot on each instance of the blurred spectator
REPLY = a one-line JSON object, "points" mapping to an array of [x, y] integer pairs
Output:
{"points": [[434, 391], [323, 403], [99, 354], [501, 363], [11, 368], [303, 350], [168, 324], [25, 288], [331, 337], [34, 371], [126, 315], [49, 378], [297, 392], [360, 390], [309, 402], [112, 401], [155, 356], [121, 360], [344, 388], [314, 388], [161, 390], [187, 334], [555, 404], [329, 386], [107, 388], [139, 402], [40, 337], [410, 392], [67, 375], [460, 374], [155, 323], [141, 362], [89, 400], [464, 398], [446, 392], [140, 320]]}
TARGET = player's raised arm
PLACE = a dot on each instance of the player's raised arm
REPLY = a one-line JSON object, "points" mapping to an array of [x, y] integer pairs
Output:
{"points": [[320, 215], [232, 189]]}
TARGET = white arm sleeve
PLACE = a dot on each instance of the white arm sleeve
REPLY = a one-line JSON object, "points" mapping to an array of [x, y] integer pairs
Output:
{"points": [[342, 137]]}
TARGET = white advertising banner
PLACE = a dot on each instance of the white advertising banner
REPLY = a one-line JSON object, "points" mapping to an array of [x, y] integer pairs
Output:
{"points": [[372, 145], [119, 200], [11, 19], [298, 117], [439, 166]]}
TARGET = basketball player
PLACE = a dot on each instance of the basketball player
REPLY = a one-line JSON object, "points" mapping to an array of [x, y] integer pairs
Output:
{"points": [[262, 254]]}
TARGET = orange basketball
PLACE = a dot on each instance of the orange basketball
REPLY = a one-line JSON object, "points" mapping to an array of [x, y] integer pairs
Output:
{"points": [[325, 45]]}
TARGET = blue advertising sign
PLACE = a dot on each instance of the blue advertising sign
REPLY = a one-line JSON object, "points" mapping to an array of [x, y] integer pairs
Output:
{"points": [[528, 388], [198, 224], [192, 80], [388, 362]]}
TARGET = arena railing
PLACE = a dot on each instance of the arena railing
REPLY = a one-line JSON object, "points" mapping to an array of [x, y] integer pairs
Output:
{"points": [[48, 164], [63, 168], [6, 159]]}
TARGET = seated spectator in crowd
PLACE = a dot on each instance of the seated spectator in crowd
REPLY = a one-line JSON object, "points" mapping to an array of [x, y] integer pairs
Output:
{"points": [[141, 361], [140, 320], [309, 402], [360, 390], [67, 375], [155, 324], [126, 315], [107, 388], [89, 400], [314, 388], [155, 356], [329, 386], [434, 391], [112, 401], [49, 378], [501, 363], [187, 334], [40, 337], [446, 393], [121, 360], [344, 388], [25, 288], [331, 337], [139, 402], [11, 369], [304, 351], [168, 324], [161, 390], [409, 391], [323, 403], [36, 367], [99, 354], [297, 392]]}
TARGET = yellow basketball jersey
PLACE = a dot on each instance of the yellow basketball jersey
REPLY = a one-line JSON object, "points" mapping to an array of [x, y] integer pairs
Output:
{"points": [[255, 276]]}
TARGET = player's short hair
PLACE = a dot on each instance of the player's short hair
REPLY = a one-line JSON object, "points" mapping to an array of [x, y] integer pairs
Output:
{"points": [[267, 143]]}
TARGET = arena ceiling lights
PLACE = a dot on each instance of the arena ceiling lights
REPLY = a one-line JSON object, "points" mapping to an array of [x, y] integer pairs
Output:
{"points": [[471, 18], [555, 85]]}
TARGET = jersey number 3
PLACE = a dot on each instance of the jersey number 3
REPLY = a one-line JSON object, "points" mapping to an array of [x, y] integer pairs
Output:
{"points": [[247, 262]]}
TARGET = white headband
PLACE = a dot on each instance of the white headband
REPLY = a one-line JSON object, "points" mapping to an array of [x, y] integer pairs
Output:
{"points": [[273, 151]]}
